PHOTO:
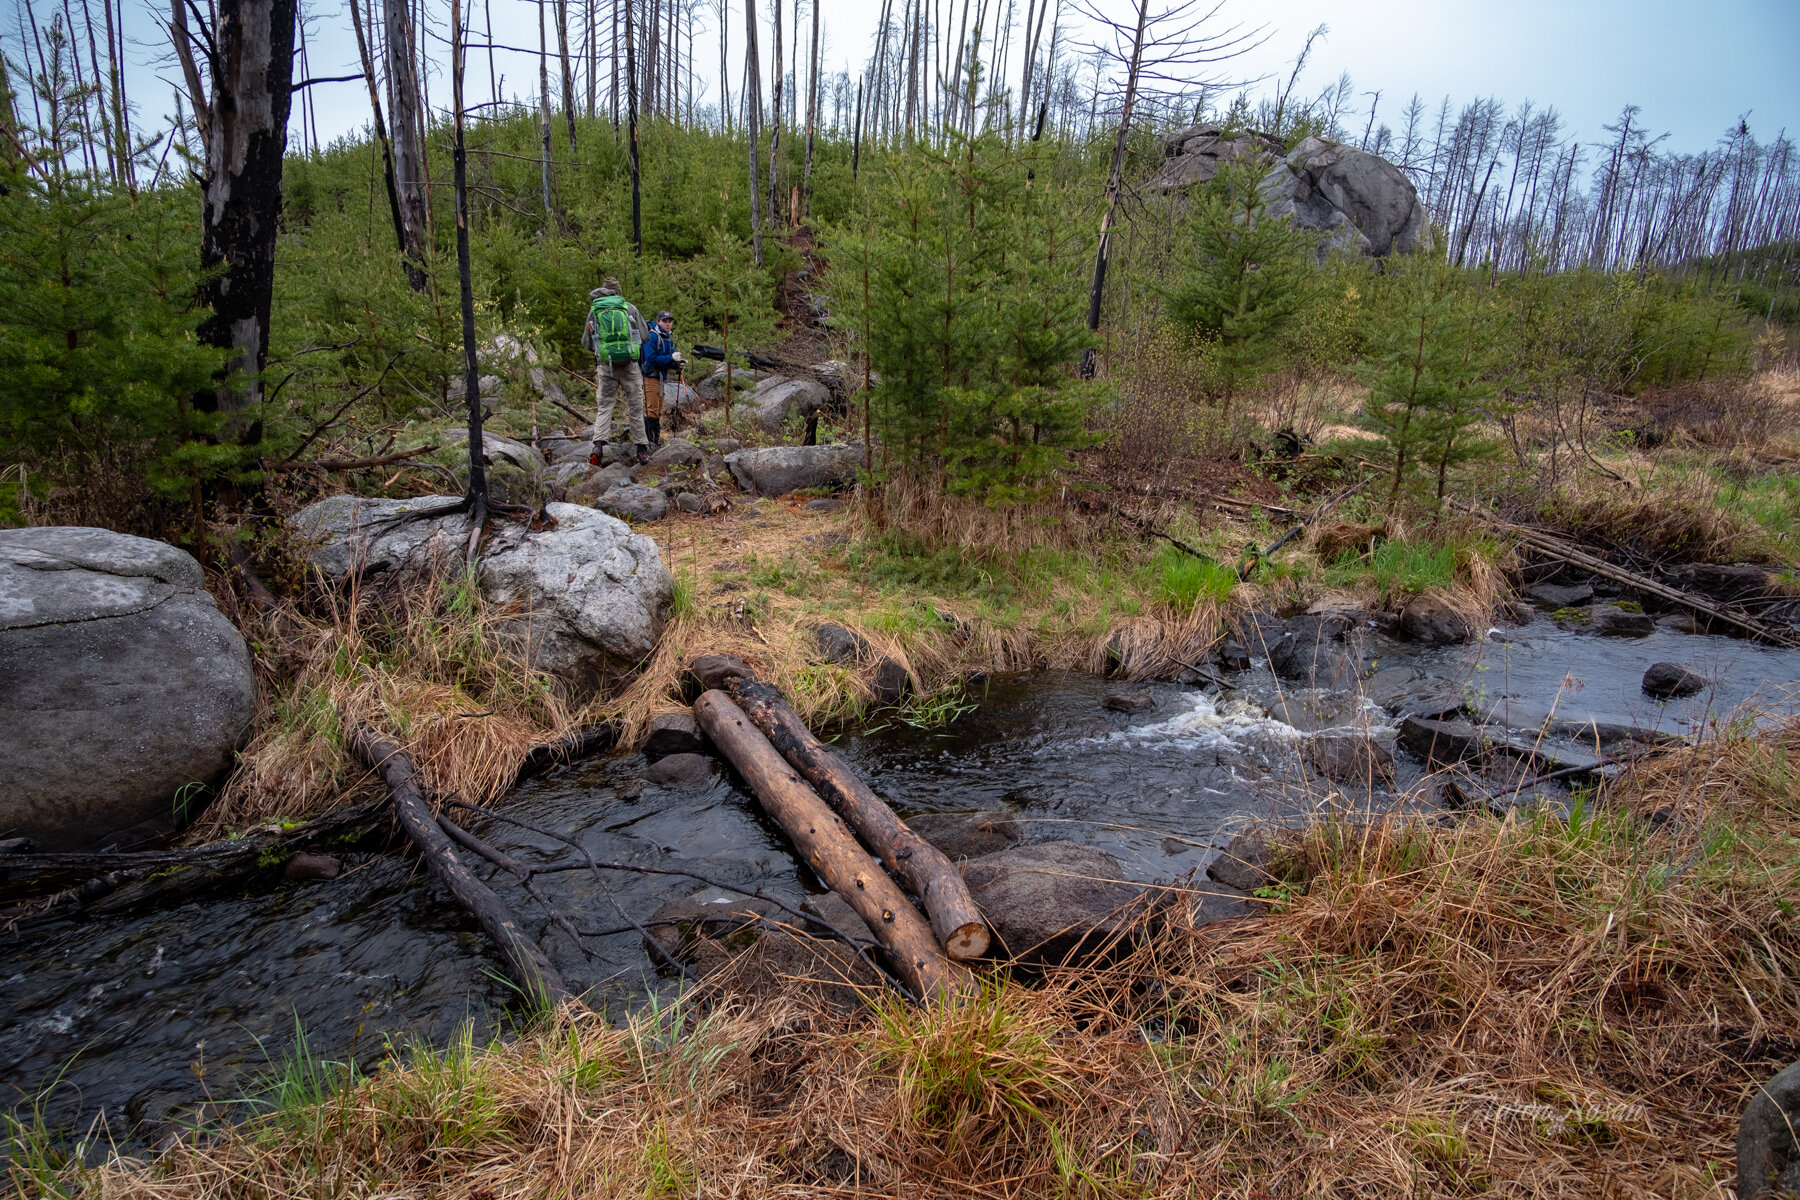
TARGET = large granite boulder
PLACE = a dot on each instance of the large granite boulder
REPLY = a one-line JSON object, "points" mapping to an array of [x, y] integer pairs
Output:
{"points": [[778, 470], [587, 594], [777, 399], [1355, 200], [121, 686], [633, 502], [712, 388]]}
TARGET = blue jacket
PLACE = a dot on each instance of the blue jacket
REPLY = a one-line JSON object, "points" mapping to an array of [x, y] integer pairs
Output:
{"points": [[657, 356]]}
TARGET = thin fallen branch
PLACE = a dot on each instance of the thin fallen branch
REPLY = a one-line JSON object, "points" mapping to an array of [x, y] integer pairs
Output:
{"points": [[350, 464], [590, 863], [1554, 547], [525, 960]]}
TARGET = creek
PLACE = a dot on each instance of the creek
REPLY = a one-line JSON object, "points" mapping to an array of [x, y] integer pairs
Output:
{"points": [[144, 1017]]}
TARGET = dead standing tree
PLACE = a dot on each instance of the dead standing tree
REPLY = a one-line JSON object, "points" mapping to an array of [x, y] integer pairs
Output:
{"points": [[242, 119], [409, 135], [1164, 49]]}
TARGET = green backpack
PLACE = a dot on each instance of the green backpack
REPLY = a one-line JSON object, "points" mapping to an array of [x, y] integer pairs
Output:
{"points": [[613, 340]]}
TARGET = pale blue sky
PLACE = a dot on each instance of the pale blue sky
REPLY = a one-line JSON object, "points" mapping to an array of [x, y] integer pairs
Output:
{"points": [[1693, 68]]}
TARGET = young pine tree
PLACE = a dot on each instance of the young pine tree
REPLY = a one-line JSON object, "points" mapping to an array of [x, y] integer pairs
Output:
{"points": [[1428, 388], [973, 314], [1245, 277], [734, 295]]}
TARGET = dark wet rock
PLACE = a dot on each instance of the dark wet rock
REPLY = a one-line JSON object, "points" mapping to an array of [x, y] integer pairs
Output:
{"points": [[682, 772], [840, 645], [1517, 612], [121, 683], [1350, 758], [1431, 622], [1050, 902], [1244, 863], [304, 867], [1407, 692], [967, 835], [715, 671], [688, 502], [1768, 1152], [1667, 680], [1234, 655], [1721, 582], [634, 502], [824, 504], [17, 845], [1130, 702], [1610, 620], [1608, 734], [673, 733], [1310, 711], [1439, 743], [712, 914], [1560, 595], [778, 470], [1681, 622], [890, 682], [677, 452], [1307, 649], [832, 914]]}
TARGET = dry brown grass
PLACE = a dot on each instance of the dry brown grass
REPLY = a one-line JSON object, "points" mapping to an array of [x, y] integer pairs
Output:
{"points": [[419, 661], [1532, 1007]]}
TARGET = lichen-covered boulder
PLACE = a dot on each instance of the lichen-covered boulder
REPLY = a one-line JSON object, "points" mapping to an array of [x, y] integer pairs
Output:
{"points": [[778, 470], [122, 686], [777, 399], [587, 595]]}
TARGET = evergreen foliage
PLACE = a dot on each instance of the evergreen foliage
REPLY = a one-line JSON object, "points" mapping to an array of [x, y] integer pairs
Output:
{"points": [[733, 296], [97, 356], [973, 316], [1244, 277], [1428, 380]]}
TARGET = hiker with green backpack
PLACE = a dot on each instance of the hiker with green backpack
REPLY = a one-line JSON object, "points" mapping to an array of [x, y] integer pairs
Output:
{"points": [[615, 332]]}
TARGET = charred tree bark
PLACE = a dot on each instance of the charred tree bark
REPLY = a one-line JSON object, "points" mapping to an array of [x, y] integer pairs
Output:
{"points": [[477, 498], [830, 849], [250, 57], [525, 961], [631, 136], [409, 149], [920, 866], [752, 118], [1114, 183], [568, 74]]}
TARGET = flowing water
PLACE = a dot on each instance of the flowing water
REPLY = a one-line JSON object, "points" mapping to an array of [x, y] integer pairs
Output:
{"points": [[141, 1018]]}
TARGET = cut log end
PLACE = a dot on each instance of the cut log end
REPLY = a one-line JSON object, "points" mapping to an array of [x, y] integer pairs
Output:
{"points": [[969, 942]]}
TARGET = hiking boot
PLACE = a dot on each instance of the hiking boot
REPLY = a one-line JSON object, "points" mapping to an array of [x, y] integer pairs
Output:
{"points": [[653, 427], [598, 457], [643, 455]]}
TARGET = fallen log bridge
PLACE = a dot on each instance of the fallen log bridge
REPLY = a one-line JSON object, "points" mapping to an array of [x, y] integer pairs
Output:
{"points": [[920, 867], [828, 846]]}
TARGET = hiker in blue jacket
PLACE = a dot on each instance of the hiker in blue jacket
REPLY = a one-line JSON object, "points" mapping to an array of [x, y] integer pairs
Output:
{"points": [[657, 359]]}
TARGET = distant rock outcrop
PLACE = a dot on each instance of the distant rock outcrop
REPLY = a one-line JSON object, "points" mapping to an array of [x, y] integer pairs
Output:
{"points": [[1355, 200], [122, 686]]}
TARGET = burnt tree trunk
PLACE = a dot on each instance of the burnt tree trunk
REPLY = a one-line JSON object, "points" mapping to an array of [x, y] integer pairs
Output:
{"points": [[409, 150], [831, 850], [251, 61], [413, 275], [919, 865]]}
